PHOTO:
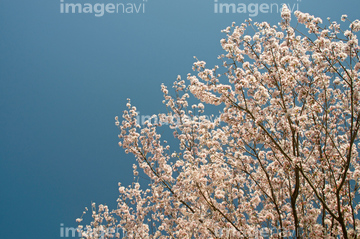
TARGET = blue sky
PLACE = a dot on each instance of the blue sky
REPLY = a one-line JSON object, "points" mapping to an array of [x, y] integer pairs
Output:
{"points": [[63, 79]]}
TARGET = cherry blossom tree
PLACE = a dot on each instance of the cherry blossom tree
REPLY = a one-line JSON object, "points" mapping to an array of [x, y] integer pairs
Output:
{"points": [[281, 160]]}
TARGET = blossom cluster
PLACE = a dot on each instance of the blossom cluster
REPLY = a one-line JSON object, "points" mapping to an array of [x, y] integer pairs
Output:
{"points": [[284, 153]]}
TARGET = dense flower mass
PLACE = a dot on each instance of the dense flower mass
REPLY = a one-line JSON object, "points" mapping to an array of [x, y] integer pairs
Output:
{"points": [[281, 161]]}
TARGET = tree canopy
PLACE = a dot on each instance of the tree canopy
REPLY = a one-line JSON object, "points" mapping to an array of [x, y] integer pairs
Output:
{"points": [[281, 160]]}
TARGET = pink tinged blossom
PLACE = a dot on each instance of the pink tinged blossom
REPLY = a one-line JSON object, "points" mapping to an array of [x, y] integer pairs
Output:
{"points": [[343, 17], [285, 13], [285, 140]]}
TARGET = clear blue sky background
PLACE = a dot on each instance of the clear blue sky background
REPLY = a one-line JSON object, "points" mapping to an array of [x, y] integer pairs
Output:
{"points": [[63, 79]]}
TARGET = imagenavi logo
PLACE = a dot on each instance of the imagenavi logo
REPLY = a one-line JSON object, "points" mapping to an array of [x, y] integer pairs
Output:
{"points": [[253, 9], [100, 9]]}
